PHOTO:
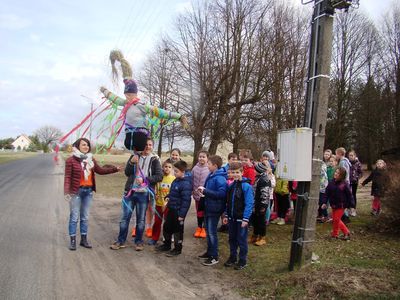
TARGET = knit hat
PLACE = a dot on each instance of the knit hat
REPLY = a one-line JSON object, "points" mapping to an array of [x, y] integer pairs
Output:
{"points": [[269, 154], [260, 168], [130, 86]]}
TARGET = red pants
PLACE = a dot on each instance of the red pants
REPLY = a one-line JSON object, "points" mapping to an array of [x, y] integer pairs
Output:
{"points": [[157, 223], [376, 204], [337, 223]]}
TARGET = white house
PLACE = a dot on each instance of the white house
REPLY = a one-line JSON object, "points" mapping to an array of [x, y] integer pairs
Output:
{"points": [[21, 142]]}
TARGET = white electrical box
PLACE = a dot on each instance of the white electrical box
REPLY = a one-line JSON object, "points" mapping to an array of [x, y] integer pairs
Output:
{"points": [[294, 154]]}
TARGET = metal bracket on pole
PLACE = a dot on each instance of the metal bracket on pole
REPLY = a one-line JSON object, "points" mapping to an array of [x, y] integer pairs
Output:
{"points": [[300, 241], [306, 229], [319, 75]]}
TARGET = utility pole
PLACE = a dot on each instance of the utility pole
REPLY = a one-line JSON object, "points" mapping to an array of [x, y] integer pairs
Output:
{"points": [[315, 118]]}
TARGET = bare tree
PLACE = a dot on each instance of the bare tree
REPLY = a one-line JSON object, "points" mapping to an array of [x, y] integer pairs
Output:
{"points": [[48, 134]]}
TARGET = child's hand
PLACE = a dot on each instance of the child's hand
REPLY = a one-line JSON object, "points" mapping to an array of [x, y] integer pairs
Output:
{"points": [[139, 180], [201, 189], [224, 220], [180, 219], [323, 206], [134, 159], [245, 224]]}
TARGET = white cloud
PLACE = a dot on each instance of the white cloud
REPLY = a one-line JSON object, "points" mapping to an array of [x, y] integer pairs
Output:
{"points": [[13, 22], [183, 7], [34, 37]]}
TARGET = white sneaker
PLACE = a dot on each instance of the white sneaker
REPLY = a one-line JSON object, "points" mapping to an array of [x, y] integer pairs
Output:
{"points": [[353, 212], [275, 221], [281, 222]]}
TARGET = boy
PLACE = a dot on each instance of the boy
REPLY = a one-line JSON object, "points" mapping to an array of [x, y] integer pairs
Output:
{"points": [[162, 190], [248, 168], [199, 174], [214, 191], [177, 207], [239, 207]]}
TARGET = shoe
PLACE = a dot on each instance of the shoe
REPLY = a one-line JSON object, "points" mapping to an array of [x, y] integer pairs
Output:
{"points": [[203, 233], [353, 212], [133, 232], [210, 261], [72, 245], [230, 262], [163, 248], [117, 246], [253, 239], [240, 265], [139, 247], [275, 221], [261, 241], [174, 252], [84, 242], [197, 232], [204, 256], [149, 232], [346, 237], [333, 237], [152, 242], [281, 222]]}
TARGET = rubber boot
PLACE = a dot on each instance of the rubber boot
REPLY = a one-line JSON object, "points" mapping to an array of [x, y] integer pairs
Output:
{"points": [[84, 242], [72, 245]]}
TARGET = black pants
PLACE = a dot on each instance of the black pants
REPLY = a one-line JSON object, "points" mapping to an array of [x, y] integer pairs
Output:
{"points": [[259, 222], [283, 204], [136, 140], [172, 226], [354, 186]]}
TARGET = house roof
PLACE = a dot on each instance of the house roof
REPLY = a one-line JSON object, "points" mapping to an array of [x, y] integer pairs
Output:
{"points": [[22, 136]]}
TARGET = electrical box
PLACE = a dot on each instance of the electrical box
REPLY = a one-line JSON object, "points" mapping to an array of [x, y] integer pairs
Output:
{"points": [[294, 154]]}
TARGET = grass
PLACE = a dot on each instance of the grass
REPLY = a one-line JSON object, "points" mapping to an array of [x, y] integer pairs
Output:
{"points": [[367, 267], [6, 157]]}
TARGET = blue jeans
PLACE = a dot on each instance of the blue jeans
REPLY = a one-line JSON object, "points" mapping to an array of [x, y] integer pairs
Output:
{"points": [[211, 223], [79, 208], [238, 238], [138, 201]]}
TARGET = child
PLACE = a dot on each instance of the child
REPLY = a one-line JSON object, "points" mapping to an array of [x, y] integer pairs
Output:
{"points": [[231, 158], [379, 179], [343, 162], [339, 194], [79, 185], [178, 204], [262, 187], [175, 155], [355, 175], [162, 190], [327, 155], [331, 168], [272, 179], [323, 183], [214, 191], [281, 192], [248, 168], [269, 156], [199, 175], [239, 207]]}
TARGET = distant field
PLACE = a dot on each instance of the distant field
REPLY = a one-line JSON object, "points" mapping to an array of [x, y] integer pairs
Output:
{"points": [[10, 156]]}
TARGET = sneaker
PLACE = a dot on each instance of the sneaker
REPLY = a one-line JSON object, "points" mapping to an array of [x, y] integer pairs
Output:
{"points": [[204, 256], [163, 248], [253, 239], [203, 233], [197, 232], [346, 237], [230, 262], [152, 242], [353, 212], [260, 241], [240, 265], [149, 232], [133, 232], [173, 252], [117, 246], [210, 261], [281, 222], [275, 221], [139, 247]]}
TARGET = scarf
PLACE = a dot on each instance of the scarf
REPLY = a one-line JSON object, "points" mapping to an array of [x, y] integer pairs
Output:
{"points": [[86, 161]]}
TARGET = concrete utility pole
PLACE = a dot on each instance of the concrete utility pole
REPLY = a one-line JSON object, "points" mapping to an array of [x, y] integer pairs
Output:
{"points": [[315, 118]]}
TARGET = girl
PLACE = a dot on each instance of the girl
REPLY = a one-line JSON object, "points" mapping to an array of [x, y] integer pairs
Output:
{"points": [[175, 155], [339, 194], [199, 174], [331, 167], [355, 175], [79, 185], [379, 179]]}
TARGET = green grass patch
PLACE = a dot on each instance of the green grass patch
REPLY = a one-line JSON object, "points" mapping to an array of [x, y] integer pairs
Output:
{"points": [[6, 157]]}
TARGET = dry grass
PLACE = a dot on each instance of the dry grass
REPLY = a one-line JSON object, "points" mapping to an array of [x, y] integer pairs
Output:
{"points": [[10, 156]]}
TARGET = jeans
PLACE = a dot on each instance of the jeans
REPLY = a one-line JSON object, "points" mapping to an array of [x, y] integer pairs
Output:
{"points": [[138, 201], [238, 238], [79, 208], [211, 223]]}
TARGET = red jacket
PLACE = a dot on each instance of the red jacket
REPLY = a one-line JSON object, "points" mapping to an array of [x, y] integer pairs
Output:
{"points": [[74, 173], [250, 173]]}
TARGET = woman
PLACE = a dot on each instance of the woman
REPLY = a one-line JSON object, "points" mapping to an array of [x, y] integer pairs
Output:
{"points": [[79, 185]]}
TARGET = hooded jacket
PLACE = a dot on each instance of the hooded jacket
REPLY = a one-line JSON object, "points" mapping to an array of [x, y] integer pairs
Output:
{"points": [[240, 200], [215, 193], [179, 196], [154, 173]]}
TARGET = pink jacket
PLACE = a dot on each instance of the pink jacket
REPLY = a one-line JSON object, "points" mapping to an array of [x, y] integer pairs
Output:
{"points": [[199, 174]]}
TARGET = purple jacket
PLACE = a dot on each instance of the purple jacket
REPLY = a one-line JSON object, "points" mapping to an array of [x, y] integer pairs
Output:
{"points": [[355, 171], [339, 195], [199, 175]]}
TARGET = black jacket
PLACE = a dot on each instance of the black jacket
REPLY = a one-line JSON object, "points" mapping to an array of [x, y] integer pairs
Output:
{"points": [[155, 172], [379, 181]]}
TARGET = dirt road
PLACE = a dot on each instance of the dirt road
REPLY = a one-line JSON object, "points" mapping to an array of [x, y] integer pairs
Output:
{"points": [[36, 263]]}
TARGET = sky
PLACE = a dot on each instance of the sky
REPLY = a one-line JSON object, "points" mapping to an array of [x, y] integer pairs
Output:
{"points": [[54, 54]]}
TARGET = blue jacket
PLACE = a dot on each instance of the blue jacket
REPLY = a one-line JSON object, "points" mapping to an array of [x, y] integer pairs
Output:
{"points": [[240, 200], [215, 193], [180, 195]]}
